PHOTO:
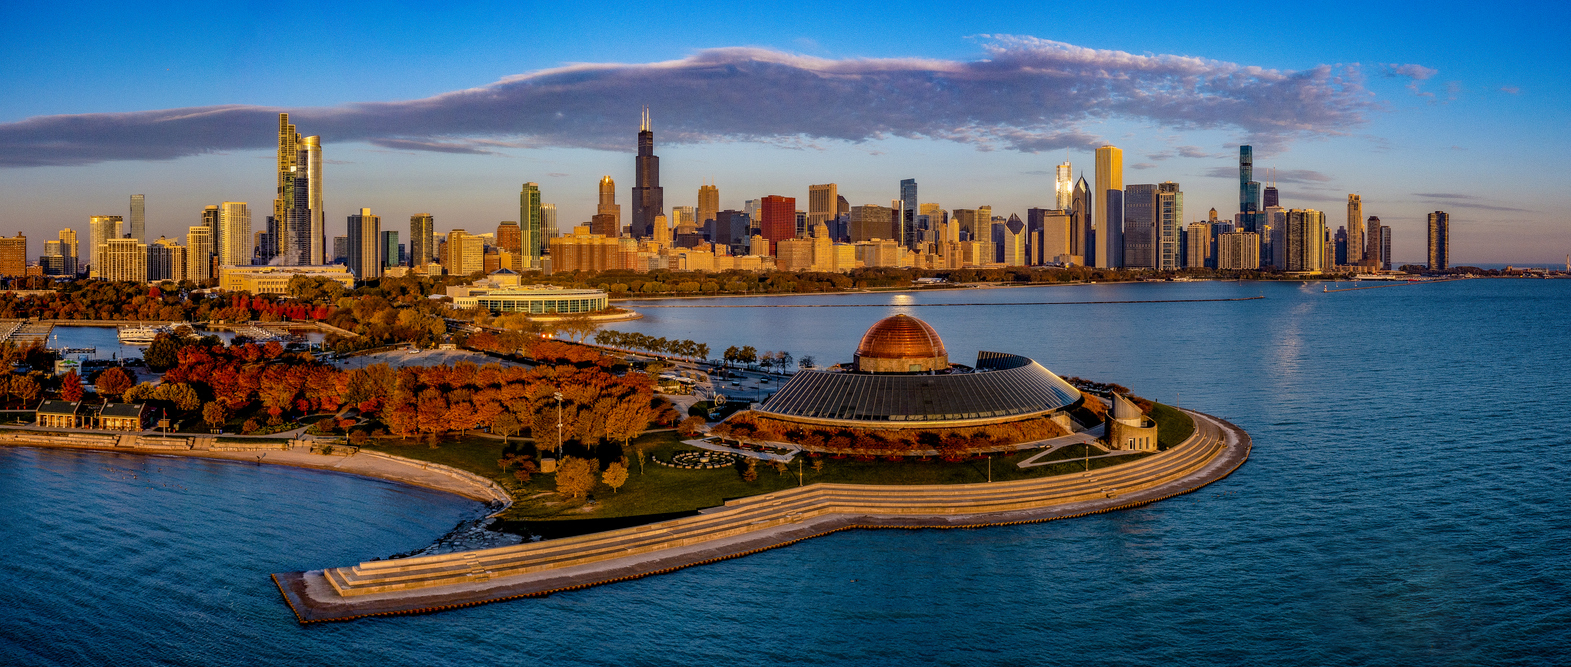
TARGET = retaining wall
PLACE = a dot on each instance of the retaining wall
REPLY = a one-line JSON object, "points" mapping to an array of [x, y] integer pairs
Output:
{"points": [[747, 525]]}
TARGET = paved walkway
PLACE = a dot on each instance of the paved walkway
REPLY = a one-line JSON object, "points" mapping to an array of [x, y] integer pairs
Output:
{"points": [[762, 456]]}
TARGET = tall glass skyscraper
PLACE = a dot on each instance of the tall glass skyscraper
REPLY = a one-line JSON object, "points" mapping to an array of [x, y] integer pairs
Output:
{"points": [[1248, 190], [422, 243], [1140, 226], [531, 243], [1082, 234], [909, 235], [1063, 188], [139, 217], [298, 213]]}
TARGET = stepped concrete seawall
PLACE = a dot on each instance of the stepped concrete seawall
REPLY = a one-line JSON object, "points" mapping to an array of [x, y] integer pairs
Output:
{"points": [[295, 452], [748, 525]]}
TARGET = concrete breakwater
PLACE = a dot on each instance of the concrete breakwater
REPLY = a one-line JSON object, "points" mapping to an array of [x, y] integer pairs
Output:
{"points": [[749, 525], [296, 453]]}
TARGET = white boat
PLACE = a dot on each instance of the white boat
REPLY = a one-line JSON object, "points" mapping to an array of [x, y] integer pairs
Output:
{"points": [[140, 335]]}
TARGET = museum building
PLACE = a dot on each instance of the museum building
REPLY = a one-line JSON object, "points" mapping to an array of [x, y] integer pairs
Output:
{"points": [[901, 377]]}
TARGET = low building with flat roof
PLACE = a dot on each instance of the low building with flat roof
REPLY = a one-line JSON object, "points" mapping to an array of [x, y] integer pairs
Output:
{"points": [[275, 279], [533, 299]]}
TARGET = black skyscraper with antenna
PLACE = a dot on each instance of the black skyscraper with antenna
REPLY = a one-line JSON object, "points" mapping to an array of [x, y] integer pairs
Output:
{"points": [[648, 196]]}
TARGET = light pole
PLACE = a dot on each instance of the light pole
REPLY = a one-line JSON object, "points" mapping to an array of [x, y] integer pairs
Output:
{"points": [[558, 396]]}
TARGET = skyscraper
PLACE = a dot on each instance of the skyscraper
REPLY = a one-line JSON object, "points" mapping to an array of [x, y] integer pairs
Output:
{"points": [[1063, 187], [166, 260], [139, 217], [908, 212], [708, 204], [13, 256], [390, 249], [1140, 226], [548, 228], [422, 241], [69, 250], [100, 229], [1439, 241], [1248, 190], [124, 259], [300, 221], [198, 253], [234, 229], [311, 159], [365, 236], [1355, 227], [1372, 251], [777, 219], [531, 243], [1082, 234], [1109, 214], [1385, 248], [1169, 217], [288, 153], [648, 196], [1305, 237], [608, 205], [821, 203]]}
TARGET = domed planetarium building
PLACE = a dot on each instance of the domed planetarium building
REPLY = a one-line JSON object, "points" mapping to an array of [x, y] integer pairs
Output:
{"points": [[901, 378]]}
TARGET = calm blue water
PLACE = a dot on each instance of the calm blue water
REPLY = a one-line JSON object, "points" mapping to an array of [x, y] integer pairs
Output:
{"points": [[1405, 504]]}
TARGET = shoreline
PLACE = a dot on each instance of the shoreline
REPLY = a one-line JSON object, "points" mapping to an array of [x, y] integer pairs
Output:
{"points": [[366, 464], [750, 525]]}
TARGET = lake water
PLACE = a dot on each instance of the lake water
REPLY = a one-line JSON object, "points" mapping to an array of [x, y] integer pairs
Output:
{"points": [[1405, 504]]}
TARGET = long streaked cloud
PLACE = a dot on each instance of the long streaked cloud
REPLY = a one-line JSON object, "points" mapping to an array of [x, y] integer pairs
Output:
{"points": [[1026, 94], [1308, 176], [1468, 201]]}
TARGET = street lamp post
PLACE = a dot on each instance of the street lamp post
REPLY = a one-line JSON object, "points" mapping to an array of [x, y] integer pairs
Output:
{"points": [[558, 396]]}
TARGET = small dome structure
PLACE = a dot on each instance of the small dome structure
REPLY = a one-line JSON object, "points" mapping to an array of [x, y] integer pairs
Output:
{"points": [[901, 344]]}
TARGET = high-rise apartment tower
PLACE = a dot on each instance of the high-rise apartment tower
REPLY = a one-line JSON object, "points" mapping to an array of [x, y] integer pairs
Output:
{"points": [[1439, 241]]}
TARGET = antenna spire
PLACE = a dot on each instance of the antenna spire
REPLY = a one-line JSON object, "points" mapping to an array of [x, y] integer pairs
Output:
{"points": [[643, 121]]}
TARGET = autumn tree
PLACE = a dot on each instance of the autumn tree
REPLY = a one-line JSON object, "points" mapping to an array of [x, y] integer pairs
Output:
{"points": [[506, 424], [215, 414], [615, 476], [691, 426], [114, 382], [25, 388], [575, 477], [71, 386]]}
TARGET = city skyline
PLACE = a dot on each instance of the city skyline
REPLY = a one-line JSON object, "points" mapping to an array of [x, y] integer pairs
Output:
{"points": [[1354, 140]]}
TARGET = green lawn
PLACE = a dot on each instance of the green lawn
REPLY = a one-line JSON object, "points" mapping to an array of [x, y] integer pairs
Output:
{"points": [[658, 492], [1172, 425]]}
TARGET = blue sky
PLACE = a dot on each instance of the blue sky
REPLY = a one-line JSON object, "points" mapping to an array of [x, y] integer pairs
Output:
{"points": [[1450, 107]]}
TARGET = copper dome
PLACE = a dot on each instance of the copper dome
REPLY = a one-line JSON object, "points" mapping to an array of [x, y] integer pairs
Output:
{"points": [[902, 337]]}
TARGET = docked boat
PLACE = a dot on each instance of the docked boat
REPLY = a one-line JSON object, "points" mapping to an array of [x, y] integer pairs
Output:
{"points": [[140, 335]]}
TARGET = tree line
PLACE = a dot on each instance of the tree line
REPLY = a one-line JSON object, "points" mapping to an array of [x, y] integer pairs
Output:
{"points": [[637, 341]]}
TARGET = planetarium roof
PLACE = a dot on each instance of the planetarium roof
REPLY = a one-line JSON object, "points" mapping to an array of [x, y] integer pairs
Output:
{"points": [[1003, 386], [901, 337]]}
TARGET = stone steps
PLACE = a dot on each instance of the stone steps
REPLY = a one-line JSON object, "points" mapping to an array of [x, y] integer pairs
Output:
{"points": [[747, 515]]}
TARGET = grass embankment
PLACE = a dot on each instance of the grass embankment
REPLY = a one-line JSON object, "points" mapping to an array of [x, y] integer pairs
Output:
{"points": [[658, 493], [1172, 425]]}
